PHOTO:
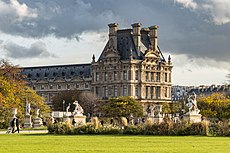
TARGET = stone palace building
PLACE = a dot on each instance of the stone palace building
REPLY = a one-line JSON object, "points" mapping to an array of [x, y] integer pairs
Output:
{"points": [[131, 64]]}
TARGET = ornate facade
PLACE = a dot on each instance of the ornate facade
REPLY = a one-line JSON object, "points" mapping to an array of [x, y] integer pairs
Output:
{"points": [[131, 64]]}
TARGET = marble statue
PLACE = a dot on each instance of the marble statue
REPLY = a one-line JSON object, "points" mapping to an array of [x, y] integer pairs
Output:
{"points": [[27, 108], [192, 104], [151, 109], [78, 109], [67, 109]]}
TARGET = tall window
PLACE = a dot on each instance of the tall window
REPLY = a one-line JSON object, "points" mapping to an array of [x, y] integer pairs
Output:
{"points": [[105, 91], [106, 76], [124, 90], [136, 75], [147, 76], [115, 75], [136, 91], [157, 92], [152, 76], [166, 77], [125, 75], [166, 92], [146, 92], [169, 77], [97, 76], [151, 92], [158, 76], [115, 91], [97, 91]]}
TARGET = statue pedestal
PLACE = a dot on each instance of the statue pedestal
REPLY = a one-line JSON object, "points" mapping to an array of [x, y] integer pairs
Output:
{"points": [[37, 122], [27, 121], [79, 119], [192, 118], [65, 118], [156, 119]]}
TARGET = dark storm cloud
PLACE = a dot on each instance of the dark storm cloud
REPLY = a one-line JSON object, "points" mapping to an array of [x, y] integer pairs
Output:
{"points": [[36, 50], [193, 27]]}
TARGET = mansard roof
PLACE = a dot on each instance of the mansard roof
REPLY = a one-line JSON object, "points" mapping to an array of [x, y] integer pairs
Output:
{"points": [[58, 71], [126, 46]]}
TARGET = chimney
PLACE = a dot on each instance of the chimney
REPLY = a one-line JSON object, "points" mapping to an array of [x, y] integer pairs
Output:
{"points": [[137, 35], [153, 36], [113, 27]]}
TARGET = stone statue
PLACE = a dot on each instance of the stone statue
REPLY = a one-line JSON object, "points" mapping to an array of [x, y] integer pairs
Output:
{"points": [[37, 112], [151, 110], [192, 104], [78, 109], [67, 109], [27, 108]]}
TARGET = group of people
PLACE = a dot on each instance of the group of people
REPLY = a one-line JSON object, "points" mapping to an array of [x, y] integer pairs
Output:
{"points": [[14, 125]]}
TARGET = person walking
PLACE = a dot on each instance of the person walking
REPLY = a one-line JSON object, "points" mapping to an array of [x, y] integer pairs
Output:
{"points": [[12, 124], [17, 125]]}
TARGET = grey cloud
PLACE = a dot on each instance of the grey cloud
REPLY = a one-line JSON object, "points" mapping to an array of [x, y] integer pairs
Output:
{"points": [[182, 31], [36, 50]]}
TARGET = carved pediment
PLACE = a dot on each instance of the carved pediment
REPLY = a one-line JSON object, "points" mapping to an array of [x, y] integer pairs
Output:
{"points": [[111, 53], [151, 56]]}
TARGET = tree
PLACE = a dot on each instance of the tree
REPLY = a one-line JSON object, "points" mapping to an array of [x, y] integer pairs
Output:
{"points": [[89, 102], [14, 92], [62, 99], [122, 106], [86, 99], [216, 105]]}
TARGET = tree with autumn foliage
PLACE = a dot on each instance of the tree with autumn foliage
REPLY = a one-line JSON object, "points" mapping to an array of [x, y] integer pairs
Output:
{"points": [[13, 94], [122, 106], [217, 105]]}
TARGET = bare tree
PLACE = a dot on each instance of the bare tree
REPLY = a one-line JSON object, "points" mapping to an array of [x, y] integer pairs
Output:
{"points": [[89, 102]]}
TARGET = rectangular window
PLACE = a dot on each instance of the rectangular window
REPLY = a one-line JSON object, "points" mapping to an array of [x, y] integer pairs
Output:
{"points": [[157, 92], [125, 75], [158, 76], [86, 85], [106, 91], [115, 91], [169, 77], [147, 76], [166, 92], [115, 75], [151, 92], [59, 86], [124, 90], [136, 91], [136, 75], [106, 76], [152, 76], [77, 86], [97, 76], [146, 92], [97, 91], [166, 77], [68, 86]]}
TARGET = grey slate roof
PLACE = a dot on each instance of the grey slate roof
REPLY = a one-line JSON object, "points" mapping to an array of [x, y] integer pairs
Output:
{"points": [[62, 71], [126, 46]]}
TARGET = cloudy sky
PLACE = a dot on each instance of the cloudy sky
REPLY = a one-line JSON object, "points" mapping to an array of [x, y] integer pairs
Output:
{"points": [[196, 33]]}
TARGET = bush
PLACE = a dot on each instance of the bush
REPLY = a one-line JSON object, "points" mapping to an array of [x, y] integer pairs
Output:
{"points": [[164, 128], [220, 128]]}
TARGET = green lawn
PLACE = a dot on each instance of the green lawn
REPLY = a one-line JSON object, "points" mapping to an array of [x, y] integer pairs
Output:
{"points": [[86, 143]]}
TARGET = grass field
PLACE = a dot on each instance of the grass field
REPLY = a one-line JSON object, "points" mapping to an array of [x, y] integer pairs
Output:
{"points": [[45, 143]]}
